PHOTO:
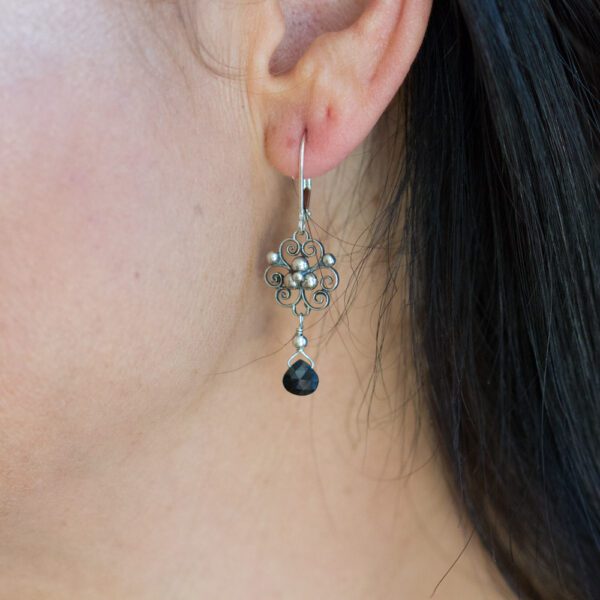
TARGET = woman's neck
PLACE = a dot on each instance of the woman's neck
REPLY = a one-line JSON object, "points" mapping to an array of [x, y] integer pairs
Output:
{"points": [[240, 490], [248, 492]]}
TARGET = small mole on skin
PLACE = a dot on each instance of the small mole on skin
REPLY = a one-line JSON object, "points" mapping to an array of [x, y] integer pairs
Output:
{"points": [[197, 209], [136, 274]]}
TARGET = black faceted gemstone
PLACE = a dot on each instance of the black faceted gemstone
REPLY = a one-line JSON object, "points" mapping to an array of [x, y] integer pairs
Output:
{"points": [[300, 379]]}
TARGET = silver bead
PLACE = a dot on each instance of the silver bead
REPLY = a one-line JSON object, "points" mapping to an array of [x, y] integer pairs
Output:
{"points": [[300, 342], [289, 282], [298, 277], [310, 281], [328, 260], [299, 264], [272, 257]]}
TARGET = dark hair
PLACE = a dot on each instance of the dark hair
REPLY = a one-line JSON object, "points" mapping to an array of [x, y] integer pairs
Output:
{"points": [[499, 184]]}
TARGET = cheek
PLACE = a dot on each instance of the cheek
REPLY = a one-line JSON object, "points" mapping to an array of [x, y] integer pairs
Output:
{"points": [[113, 219]]}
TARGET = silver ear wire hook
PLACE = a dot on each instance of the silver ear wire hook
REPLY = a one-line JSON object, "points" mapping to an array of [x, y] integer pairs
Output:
{"points": [[304, 188]]}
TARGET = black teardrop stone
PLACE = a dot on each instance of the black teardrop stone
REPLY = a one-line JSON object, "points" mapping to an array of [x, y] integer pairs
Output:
{"points": [[300, 379]]}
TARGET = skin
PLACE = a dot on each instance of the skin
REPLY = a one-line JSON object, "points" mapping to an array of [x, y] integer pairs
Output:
{"points": [[147, 448]]}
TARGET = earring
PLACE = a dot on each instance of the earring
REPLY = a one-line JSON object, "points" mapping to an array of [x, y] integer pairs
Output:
{"points": [[303, 276]]}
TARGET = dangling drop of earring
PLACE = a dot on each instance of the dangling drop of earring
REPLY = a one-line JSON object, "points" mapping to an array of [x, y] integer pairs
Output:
{"points": [[303, 276]]}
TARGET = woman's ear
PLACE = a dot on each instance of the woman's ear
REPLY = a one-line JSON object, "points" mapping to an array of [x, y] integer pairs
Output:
{"points": [[341, 83]]}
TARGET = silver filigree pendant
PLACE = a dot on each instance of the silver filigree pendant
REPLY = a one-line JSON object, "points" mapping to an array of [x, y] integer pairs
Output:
{"points": [[303, 276]]}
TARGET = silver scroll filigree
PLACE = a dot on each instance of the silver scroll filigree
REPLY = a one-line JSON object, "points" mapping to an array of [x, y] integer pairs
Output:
{"points": [[302, 273]]}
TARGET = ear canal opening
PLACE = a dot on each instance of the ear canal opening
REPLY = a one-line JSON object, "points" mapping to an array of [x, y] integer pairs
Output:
{"points": [[303, 26]]}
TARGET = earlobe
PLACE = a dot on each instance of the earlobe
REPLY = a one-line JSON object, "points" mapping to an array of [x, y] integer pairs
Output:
{"points": [[340, 85]]}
